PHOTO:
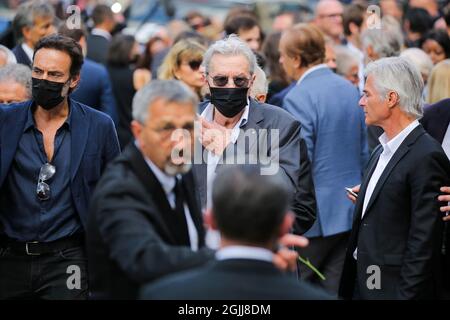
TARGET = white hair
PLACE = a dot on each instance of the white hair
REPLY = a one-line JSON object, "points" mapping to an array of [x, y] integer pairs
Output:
{"points": [[399, 75], [386, 41], [17, 73], [168, 90], [419, 59], [345, 60], [230, 46], [260, 85], [10, 57]]}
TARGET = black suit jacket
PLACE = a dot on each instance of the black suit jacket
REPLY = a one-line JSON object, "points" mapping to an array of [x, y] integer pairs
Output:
{"points": [[130, 239], [401, 231], [233, 279], [98, 47], [21, 56]]}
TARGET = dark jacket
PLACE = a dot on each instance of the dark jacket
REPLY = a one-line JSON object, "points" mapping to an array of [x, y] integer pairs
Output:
{"points": [[130, 237]]}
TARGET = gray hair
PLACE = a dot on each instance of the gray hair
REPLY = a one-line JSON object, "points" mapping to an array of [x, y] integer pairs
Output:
{"points": [[27, 13], [345, 60], [399, 75], [18, 73], [386, 41], [230, 46], [260, 85], [419, 59], [10, 57], [168, 90]]}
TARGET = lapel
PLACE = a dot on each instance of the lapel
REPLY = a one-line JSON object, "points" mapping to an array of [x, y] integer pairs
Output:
{"points": [[24, 56], [398, 155], [80, 124], [154, 189], [196, 215], [442, 120], [11, 132]]}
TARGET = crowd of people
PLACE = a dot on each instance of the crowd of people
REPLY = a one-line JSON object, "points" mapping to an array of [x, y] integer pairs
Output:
{"points": [[210, 161]]}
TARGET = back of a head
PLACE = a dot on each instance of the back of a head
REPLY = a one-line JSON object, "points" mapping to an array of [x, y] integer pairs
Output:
{"points": [[28, 12], [119, 50], [260, 85], [439, 82], [249, 207], [419, 59], [17, 73], [240, 23], [101, 13], [386, 41], [306, 41], [419, 20], [74, 33], [345, 60]]}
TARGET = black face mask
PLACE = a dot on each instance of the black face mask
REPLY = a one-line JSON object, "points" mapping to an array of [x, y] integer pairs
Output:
{"points": [[47, 94], [229, 101]]}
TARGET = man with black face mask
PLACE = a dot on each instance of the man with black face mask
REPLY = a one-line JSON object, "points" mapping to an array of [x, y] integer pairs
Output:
{"points": [[53, 150], [237, 129]]}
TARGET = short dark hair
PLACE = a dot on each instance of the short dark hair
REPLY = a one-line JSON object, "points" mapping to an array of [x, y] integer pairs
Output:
{"points": [[119, 50], [248, 206], [74, 33], [354, 13], [419, 20], [441, 37], [240, 23], [101, 13], [67, 45]]}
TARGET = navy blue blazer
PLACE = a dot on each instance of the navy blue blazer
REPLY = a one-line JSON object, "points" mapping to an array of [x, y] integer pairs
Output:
{"points": [[95, 89], [21, 56], [93, 141], [436, 118]]}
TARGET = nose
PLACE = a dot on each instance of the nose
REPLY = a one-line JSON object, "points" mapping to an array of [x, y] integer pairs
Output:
{"points": [[362, 101]]}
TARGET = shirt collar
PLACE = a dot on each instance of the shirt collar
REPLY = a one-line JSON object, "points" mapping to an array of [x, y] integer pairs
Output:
{"points": [[167, 182], [311, 70], [28, 51], [392, 145], [29, 123], [102, 33], [208, 115], [244, 252]]}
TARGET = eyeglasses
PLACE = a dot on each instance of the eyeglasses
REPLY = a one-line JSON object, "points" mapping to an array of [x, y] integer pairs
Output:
{"points": [[222, 81], [194, 64], [43, 189]]}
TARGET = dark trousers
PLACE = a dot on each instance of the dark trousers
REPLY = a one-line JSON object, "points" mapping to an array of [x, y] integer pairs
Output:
{"points": [[59, 275], [327, 254]]}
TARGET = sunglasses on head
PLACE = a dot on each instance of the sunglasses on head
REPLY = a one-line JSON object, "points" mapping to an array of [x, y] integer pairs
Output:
{"points": [[222, 81]]}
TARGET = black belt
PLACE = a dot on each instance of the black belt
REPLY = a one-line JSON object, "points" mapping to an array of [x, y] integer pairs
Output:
{"points": [[36, 248]]}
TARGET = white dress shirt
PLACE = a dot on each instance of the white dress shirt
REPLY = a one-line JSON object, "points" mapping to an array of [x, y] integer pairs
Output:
{"points": [[28, 51], [389, 149], [212, 237], [446, 142], [100, 32], [168, 185], [311, 70], [244, 252]]}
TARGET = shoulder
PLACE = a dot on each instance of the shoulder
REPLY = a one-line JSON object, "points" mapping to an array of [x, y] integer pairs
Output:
{"points": [[100, 118], [14, 109], [439, 108], [273, 114], [94, 67]]}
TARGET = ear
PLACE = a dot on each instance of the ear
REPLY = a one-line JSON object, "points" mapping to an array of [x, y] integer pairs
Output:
{"points": [[75, 81], [176, 74], [371, 53], [261, 98], [297, 62], [393, 99], [26, 31], [286, 224], [136, 128], [209, 219]]}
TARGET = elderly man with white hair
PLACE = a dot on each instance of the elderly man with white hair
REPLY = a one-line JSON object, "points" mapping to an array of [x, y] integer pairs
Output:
{"points": [[394, 248], [260, 86], [15, 83]]}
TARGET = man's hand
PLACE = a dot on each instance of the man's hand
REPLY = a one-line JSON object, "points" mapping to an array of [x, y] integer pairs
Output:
{"points": [[286, 259], [355, 189], [445, 198], [214, 137]]}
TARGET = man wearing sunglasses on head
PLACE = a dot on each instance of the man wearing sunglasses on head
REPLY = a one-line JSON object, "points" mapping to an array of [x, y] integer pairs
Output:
{"points": [[234, 128], [53, 151]]}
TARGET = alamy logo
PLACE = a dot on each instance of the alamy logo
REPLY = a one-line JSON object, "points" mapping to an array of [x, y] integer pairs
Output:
{"points": [[74, 280], [374, 280], [74, 20], [373, 17]]}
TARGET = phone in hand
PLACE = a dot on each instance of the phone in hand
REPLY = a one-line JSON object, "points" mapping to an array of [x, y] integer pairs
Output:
{"points": [[350, 191]]}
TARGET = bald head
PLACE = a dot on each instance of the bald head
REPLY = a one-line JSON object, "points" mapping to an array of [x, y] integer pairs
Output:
{"points": [[328, 17]]}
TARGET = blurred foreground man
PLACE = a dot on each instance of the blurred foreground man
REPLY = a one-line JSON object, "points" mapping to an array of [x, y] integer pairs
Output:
{"points": [[251, 212]]}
